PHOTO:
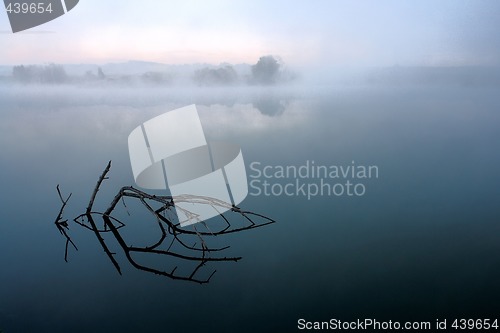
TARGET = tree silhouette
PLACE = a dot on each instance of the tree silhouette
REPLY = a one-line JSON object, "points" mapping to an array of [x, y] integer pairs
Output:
{"points": [[215, 76], [39, 74], [100, 74], [266, 70]]}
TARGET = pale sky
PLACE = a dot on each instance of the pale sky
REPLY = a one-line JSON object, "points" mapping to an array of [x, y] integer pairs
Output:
{"points": [[315, 33]]}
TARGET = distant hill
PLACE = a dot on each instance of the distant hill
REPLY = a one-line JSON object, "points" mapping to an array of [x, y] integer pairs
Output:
{"points": [[464, 75]]}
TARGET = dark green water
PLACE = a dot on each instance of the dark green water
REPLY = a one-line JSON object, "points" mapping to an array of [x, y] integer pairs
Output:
{"points": [[422, 243]]}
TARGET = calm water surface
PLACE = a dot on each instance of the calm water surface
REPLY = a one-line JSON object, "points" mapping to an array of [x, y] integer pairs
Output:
{"points": [[422, 243]]}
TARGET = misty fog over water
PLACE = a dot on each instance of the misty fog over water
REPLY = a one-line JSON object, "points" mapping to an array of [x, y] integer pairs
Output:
{"points": [[421, 243]]}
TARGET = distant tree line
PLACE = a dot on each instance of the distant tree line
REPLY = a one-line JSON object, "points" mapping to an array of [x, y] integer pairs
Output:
{"points": [[225, 75], [268, 70], [39, 74]]}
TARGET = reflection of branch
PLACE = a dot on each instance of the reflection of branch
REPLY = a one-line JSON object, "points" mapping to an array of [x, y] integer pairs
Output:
{"points": [[62, 225], [179, 238]]}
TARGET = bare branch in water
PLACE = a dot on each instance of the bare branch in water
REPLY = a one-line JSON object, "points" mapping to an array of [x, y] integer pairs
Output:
{"points": [[62, 225], [177, 238], [97, 187]]}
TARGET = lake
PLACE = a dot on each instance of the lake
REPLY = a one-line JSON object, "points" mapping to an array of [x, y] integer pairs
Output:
{"points": [[419, 243]]}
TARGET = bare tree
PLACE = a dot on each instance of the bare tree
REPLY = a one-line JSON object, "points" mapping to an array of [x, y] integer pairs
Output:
{"points": [[174, 242]]}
